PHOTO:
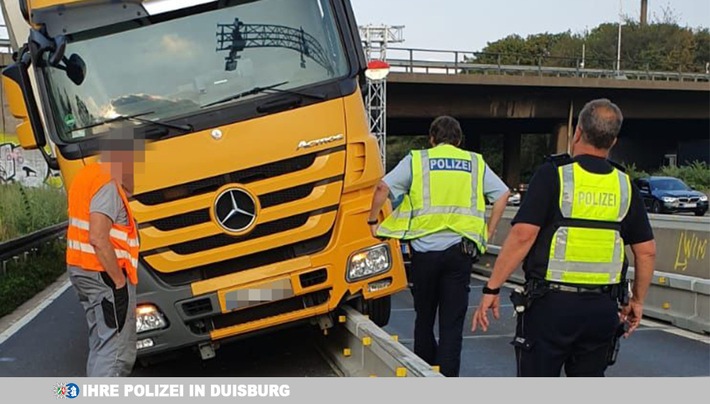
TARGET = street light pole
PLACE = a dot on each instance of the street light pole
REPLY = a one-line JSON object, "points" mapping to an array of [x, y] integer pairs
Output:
{"points": [[618, 45]]}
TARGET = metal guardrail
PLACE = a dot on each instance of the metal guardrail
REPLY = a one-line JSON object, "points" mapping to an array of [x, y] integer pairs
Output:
{"points": [[430, 61], [21, 246]]}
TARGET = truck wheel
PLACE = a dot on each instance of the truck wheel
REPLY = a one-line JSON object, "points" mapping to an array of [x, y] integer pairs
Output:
{"points": [[377, 309]]}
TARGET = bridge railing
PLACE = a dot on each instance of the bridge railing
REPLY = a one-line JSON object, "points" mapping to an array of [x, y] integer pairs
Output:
{"points": [[433, 61]]}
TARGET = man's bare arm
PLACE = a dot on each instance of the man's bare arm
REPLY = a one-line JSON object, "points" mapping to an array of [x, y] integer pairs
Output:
{"points": [[515, 248], [99, 230], [644, 263], [378, 200], [496, 214]]}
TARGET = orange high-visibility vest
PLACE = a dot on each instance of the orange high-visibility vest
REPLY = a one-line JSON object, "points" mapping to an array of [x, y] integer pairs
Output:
{"points": [[124, 239]]}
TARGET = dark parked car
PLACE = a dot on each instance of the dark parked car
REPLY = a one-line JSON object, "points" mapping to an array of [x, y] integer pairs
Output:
{"points": [[670, 195]]}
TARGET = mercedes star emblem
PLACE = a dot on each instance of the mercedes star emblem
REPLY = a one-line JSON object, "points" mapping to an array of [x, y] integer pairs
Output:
{"points": [[235, 210]]}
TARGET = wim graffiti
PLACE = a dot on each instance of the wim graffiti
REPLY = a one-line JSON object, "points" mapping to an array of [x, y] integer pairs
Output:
{"points": [[691, 250]]}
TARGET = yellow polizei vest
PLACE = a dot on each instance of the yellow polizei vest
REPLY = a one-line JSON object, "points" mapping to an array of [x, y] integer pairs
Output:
{"points": [[446, 194], [587, 247]]}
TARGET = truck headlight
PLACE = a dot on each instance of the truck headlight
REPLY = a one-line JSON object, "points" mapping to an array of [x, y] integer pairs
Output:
{"points": [[149, 318], [669, 199], [369, 262]]}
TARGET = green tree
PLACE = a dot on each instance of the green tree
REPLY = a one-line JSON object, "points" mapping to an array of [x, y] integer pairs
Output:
{"points": [[662, 45]]}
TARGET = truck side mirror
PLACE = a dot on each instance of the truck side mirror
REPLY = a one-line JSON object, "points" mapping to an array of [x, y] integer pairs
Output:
{"points": [[76, 69]]}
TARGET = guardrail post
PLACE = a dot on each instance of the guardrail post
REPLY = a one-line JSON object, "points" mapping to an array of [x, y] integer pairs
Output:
{"points": [[456, 62]]}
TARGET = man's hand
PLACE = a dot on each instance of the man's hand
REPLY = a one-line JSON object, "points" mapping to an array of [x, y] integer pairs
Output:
{"points": [[480, 317], [632, 315]]}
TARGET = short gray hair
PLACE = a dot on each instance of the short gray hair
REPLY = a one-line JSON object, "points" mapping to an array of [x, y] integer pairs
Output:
{"points": [[446, 129], [600, 121]]}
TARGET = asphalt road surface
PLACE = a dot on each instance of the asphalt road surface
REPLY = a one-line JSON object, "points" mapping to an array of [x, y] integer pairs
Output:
{"points": [[655, 349]]}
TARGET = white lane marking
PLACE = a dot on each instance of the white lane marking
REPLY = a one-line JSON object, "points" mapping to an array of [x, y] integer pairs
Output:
{"points": [[644, 322], [676, 331], [470, 307], [33, 313]]}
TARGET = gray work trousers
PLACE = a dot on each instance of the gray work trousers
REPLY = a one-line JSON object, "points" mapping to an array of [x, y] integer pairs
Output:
{"points": [[112, 342]]}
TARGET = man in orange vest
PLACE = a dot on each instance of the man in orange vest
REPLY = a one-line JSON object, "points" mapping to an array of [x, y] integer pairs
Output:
{"points": [[102, 259]]}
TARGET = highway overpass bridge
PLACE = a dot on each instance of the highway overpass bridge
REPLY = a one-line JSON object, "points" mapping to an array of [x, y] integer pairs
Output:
{"points": [[666, 113]]}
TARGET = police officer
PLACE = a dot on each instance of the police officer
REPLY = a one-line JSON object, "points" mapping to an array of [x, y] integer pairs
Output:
{"points": [[572, 228], [442, 212]]}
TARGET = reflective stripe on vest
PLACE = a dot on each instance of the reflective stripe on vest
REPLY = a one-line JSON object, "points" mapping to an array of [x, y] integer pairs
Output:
{"points": [[123, 239], [88, 248], [114, 233], [585, 254], [437, 201]]}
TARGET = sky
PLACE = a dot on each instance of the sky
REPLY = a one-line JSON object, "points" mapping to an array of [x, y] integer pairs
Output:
{"points": [[468, 25]]}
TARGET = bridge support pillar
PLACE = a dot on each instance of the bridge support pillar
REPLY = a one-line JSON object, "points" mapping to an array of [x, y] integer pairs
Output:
{"points": [[511, 159], [563, 138]]}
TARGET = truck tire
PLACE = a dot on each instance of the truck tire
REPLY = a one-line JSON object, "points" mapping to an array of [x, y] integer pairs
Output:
{"points": [[378, 310]]}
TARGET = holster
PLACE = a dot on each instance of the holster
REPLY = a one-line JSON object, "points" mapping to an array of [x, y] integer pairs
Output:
{"points": [[470, 249], [523, 299], [613, 351], [623, 293]]}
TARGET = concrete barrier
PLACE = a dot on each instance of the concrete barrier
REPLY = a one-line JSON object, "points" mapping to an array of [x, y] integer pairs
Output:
{"points": [[359, 348], [680, 291]]}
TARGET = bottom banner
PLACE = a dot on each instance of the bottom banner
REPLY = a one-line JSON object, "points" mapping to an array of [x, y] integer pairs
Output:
{"points": [[343, 390]]}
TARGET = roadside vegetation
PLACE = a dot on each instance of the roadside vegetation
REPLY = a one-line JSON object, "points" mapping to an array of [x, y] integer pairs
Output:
{"points": [[24, 210], [661, 45], [23, 277], [695, 174]]}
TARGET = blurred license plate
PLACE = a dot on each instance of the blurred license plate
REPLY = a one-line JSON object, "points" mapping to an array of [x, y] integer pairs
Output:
{"points": [[687, 205], [257, 294]]}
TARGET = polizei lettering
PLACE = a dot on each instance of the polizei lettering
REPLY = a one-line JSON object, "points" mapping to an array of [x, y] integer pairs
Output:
{"points": [[597, 198], [303, 144], [450, 164]]}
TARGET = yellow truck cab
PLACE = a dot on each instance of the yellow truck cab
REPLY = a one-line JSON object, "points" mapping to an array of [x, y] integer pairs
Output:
{"points": [[253, 196]]}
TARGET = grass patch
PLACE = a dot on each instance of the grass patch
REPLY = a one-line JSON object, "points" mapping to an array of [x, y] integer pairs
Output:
{"points": [[24, 210], [24, 278]]}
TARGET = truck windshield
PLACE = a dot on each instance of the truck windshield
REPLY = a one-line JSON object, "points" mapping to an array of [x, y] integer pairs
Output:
{"points": [[194, 63]]}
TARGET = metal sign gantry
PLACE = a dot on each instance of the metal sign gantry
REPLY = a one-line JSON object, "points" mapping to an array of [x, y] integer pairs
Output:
{"points": [[375, 41]]}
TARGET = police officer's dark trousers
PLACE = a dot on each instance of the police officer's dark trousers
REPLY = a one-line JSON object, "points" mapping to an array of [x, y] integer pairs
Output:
{"points": [[569, 329], [440, 283]]}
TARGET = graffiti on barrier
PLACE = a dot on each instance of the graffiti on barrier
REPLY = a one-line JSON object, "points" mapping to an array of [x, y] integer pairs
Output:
{"points": [[27, 167], [691, 249]]}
